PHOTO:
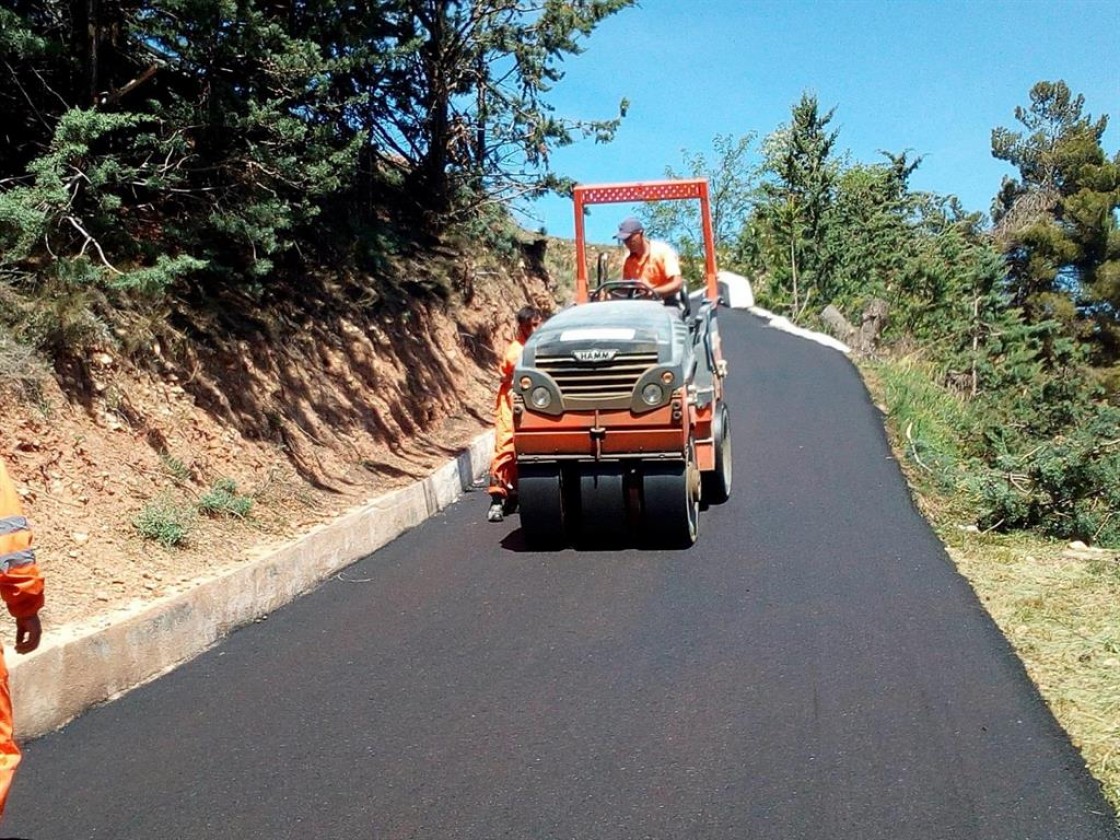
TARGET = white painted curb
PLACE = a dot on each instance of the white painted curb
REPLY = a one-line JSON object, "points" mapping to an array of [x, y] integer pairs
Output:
{"points": [[79, 666], [780, 322]]}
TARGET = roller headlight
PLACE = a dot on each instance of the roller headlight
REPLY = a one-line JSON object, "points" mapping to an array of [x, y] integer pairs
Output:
{"points": [[541, 397], [653, 394]]}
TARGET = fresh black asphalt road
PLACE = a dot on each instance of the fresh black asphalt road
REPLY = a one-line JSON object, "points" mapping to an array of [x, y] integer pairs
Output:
{"points": [[813, 668]]}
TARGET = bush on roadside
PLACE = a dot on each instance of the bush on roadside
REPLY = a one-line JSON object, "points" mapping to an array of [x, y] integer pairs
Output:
{"points": [[1067, 486], [222, 499], [165, 521]]}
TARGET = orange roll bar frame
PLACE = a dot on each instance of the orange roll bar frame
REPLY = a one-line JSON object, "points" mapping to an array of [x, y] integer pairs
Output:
{"points": [[685, 188]]}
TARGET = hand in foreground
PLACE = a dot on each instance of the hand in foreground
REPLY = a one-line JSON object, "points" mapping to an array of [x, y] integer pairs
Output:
{"points": [[28, 633]]}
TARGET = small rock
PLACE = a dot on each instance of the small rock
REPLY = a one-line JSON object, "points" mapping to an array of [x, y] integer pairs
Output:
{"points": [[1077, 545], [79, 537]]}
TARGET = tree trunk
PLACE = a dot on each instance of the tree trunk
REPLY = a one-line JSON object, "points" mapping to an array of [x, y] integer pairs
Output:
{"points": [[793, 272], [86, 22], [434, 165]]}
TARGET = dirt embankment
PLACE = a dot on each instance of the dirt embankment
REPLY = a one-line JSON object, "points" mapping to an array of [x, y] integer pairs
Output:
{"points": [[306, 412]]}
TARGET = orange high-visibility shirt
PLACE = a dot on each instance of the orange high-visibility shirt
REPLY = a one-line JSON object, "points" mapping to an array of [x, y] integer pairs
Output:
{"points": [[656, 267], [503, 466], [21, 585]]}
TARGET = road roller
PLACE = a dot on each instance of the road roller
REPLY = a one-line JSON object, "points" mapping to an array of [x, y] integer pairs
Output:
{"points": [[621, 430]]}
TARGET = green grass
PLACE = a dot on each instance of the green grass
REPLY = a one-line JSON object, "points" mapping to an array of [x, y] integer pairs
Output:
{"points": [[926, 421], [174, 467], [222, 499]]}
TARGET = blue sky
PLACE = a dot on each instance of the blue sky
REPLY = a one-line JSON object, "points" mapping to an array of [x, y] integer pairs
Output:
{"points": [[932, 77]]}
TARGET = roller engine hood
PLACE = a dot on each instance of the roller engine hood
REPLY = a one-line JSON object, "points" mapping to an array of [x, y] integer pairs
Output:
{"points": [[596, 330]]}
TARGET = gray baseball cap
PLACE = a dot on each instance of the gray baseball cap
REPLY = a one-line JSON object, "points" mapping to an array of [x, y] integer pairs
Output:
{"points": [[628, 228]]}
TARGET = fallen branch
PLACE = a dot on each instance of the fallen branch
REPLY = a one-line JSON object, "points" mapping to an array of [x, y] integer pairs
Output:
{"points": [[96, 245]]}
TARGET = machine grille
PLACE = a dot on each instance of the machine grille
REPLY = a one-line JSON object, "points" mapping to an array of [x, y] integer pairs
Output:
{"points": [[614, 379]]}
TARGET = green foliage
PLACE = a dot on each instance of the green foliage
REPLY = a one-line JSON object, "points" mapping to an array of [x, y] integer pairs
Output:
{"points": [[196, 143], [1057, 223], [1003, 413], [65, 320], [732, 185], [174, 467], [468, 107], [930, 420], [74, 202], [222, 499], [1048, 463], [66, 196], [793, 213], [874, 200], [154, 279], [165, 521], [1060, 139], [17, 40], [1067, 486]]}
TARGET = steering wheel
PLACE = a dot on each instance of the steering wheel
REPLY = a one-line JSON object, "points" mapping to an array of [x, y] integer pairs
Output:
{"points": [[625, 289]]}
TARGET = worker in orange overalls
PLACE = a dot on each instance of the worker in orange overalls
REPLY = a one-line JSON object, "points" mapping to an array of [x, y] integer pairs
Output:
{"points": [[503, 466], [21, 587], [651, 261]]}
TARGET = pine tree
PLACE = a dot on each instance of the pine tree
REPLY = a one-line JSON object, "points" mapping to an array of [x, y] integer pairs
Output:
{"points": [[1057, 222], [793, 213]]}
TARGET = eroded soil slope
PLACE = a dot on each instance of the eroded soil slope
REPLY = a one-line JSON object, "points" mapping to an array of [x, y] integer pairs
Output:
{"points": [[308, 412]]}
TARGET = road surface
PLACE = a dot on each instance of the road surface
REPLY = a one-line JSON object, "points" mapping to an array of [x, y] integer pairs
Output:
{"points": [[813, 668]]}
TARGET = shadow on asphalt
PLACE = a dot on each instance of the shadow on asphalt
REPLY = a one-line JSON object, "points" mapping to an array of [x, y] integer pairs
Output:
{"points": [[515, 541]]}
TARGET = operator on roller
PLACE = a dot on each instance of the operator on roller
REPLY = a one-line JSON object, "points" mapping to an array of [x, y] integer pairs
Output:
{"points": [[651, 261]]}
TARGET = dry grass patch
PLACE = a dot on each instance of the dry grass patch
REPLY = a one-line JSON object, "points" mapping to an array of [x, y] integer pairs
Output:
{"points": [[23, 372]]}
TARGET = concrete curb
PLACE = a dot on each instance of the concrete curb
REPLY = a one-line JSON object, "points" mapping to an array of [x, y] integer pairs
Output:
{"points": [[80, 666]]}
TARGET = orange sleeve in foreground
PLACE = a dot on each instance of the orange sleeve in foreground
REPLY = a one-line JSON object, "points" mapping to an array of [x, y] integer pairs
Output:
{"points": [[21, 584], [21, 587]]}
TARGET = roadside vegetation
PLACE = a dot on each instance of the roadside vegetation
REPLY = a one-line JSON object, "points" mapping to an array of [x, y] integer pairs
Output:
{"points": [[1009, 331], [202, 174], [180, 172], [995, 357]]}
